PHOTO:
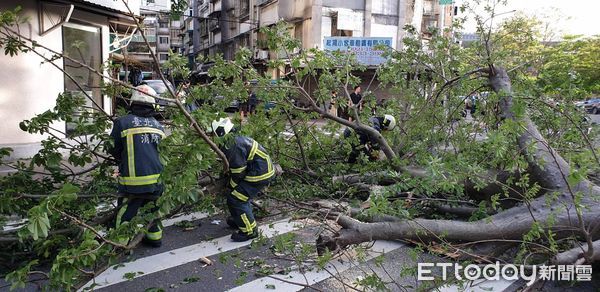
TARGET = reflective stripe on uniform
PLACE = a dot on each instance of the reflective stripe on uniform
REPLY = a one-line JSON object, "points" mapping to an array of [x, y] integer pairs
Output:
{"points": [[232, 183], [154, 235], [142, 130], [139, 180], [249, 227], [253, 150], [239, 195], [238, 170], [121, 212], [128, 134], [130, 155], [270, 170], [266, 158], [259, 177]]}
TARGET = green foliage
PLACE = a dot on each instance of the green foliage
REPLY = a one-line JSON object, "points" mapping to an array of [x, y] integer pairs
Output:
{"points": [[422, 95]]}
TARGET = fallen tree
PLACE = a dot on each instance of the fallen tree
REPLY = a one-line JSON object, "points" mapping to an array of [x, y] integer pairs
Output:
{"points": [[567, 208]]}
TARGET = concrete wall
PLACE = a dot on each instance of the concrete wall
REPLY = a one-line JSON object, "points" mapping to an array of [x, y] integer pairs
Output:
{"points": [[268, 14], [382, 30], [350, 4], [28, 86]]}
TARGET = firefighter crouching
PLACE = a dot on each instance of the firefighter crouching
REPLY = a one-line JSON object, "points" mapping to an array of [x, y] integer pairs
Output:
{"points": [[366, 145], [251, 169], [136, 137]]}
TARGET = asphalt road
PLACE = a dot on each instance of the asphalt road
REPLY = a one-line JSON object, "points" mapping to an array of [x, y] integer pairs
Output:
{"points": [[595, 119]]}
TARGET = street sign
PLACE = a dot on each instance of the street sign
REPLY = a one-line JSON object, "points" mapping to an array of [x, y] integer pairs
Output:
{"points": [[362, 47], [446, 2]]}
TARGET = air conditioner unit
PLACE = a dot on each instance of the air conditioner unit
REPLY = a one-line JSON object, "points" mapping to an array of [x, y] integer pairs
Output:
{"points": [[262, 55]]}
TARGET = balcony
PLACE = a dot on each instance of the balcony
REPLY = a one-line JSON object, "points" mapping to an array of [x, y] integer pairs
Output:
{"points": [[429, 8], [261, 2], [163, 30], [163, 47], [137, 38]]}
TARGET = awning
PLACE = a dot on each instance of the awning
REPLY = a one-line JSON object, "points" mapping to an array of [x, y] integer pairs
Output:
{"points": [[53, 13]]}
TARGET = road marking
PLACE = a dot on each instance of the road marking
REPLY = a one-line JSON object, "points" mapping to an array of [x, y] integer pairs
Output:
{"points": [[479, 285], [188, 217], [184, 255], [314, 276]]}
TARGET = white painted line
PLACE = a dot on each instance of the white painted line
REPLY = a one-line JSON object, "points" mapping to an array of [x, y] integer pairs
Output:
{"points": [[479, 286], [314, 276], [189, 217], [15, 224], [184, 255]]}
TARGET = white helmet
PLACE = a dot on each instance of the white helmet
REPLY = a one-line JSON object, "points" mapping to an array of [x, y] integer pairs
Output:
{"points": [[145, 96], [222, 127], [389, 122]]}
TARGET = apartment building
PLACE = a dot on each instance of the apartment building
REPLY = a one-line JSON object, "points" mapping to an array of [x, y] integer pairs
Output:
{"points": [[223, 26], [162, 32]]}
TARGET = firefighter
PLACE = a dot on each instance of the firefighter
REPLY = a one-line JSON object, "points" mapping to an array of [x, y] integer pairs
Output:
{"points": [[136, 137], [368, 146], [250, 171]]}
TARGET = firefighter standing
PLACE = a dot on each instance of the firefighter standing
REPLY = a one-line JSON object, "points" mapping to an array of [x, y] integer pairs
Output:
{"points": [[368, 146], [136, 137], [251, 170]]}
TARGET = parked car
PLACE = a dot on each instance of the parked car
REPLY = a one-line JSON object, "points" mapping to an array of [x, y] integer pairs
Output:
{"points": [[233, 107], [161, 89], [591, 106]]}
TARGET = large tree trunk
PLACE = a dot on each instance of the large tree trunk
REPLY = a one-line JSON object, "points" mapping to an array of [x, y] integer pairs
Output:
{"points": [[546, 167]]}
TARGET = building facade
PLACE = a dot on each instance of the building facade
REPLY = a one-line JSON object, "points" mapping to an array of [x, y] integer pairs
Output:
{"points": [[223, 26], [29, 86]]}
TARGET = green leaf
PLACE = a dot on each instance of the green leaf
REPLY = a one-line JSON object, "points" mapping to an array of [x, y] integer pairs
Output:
{"points": [[39, 224]]}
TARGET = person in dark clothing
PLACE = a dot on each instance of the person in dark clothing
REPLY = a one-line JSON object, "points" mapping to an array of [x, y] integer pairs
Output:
{"points": [[136, 76], [251, 170], [356, 97], [366, 145], [136, 137], [252, 103]]}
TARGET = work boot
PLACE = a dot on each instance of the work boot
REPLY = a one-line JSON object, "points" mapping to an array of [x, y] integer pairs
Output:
{"points": [[231, 223], [152, 243], [241, 236]]}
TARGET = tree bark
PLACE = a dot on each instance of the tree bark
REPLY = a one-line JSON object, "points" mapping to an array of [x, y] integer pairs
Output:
{"points": [[578, 254]]}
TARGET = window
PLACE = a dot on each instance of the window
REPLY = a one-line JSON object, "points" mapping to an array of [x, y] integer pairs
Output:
{"points": [[84, 44], [163, 57], [163, 25], [244, 10], [163, 40]]}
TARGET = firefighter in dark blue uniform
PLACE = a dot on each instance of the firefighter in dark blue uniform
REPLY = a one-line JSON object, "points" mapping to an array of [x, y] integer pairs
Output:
{"points": [[251, 169], [136, 137], [366, 145]]}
